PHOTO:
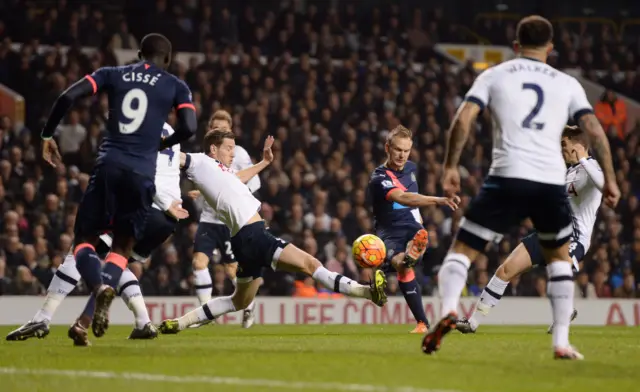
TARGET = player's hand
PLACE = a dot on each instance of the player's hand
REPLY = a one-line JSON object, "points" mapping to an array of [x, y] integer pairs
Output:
{"points": [[194, 194], [50, 152], [452, 202], [451, 182], [177, 211], [611, 193], [578, 152], [267, 153]]}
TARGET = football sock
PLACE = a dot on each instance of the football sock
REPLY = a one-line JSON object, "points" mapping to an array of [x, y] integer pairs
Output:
{"points": [[89, 308], [89, 265], [452, 279], [129, 289], [489, 298], [560, 291], [203, 285], [412, 294], [113, 267], [341, 284], [63, 282], [209, 311]]}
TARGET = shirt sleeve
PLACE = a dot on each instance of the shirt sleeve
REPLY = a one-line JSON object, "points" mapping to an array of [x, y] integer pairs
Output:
{"points": [[192, 163], [183, 98], [382, 186], [479, 92], [593, 171], [579, 104], [100, 78]]}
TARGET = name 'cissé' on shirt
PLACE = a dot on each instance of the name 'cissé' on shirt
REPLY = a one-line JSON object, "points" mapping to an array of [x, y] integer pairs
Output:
{"points": [[140, 77]]}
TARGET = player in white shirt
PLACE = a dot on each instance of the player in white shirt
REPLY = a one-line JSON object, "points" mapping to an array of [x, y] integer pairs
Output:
{"points": [[160, 225], [584, 181], [254, 246], [212, 234], [530, 103]]}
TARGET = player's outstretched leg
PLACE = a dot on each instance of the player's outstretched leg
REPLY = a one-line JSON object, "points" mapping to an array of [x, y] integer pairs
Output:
{"points": [[518, 262], [63, 282], [294, 259], [129, 289], [248, 318]]}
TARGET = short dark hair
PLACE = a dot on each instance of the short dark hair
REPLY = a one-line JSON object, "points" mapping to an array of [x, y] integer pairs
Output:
{"points": [[574, 133], [155, 45], [534, 31], [215, 137]]}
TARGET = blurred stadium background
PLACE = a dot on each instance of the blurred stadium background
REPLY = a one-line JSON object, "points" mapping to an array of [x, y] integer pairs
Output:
{"points": [[328, 79]]}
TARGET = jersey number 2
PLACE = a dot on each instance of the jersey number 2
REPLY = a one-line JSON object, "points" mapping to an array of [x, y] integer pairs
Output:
{"points": [[528, 122], [134, 108]]}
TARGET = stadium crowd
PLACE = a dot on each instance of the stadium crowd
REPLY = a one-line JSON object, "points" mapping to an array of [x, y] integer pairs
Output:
{"points": [[328, 84]]}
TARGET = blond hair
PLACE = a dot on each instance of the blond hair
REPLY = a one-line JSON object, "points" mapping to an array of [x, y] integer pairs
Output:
{"points": [[399, 131], [220, 115]]}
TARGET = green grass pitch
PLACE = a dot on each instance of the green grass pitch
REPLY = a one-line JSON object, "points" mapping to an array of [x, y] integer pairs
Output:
{"points": [[372, 358]]}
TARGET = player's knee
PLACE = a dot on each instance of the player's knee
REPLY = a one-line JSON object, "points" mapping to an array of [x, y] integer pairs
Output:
{"points": [[310, 265], [200, 261]]}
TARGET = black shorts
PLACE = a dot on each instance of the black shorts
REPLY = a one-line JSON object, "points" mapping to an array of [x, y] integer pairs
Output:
{"points": [[505, 202], [212, 236], [256, 248], [116, 200], [532, 244], [395, 241], [159, 227]]}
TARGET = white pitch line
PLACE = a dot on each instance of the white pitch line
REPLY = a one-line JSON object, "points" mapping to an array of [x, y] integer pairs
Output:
{"points": [[242, 382]]}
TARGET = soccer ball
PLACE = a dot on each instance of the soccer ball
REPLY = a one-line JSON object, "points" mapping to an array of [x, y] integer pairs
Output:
{"points": [[369, 251]]}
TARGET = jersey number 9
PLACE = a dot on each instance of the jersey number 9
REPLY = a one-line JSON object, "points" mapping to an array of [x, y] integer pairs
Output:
{"points": [[134, 108]]}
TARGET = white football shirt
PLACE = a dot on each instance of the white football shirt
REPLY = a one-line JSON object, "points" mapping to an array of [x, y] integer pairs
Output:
{"points": [[584, 186], [241, 161], [167, 179], [222, 190], [530, 103]]}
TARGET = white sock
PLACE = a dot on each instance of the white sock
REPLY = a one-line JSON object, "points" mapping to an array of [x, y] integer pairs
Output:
{"points": [[452, 278], [489, 298], [214, 307], [129, 289], [203, 285], [63, 283], [560, 291], [341, 284]]}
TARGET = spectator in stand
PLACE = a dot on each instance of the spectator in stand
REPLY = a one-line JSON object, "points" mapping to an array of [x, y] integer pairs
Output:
{"points": [[612, 113]]}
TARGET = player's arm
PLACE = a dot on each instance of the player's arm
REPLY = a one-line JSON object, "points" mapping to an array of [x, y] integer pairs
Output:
{"points": [[186, 114], [599, 143], [459, 132], [267, 157], [410, 199], [243, 160], [593, 171], [82, 88]]}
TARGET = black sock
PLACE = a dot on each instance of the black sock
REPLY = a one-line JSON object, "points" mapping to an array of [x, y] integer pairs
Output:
{"points": [[413, 296], [90, 307], [89, 266]]}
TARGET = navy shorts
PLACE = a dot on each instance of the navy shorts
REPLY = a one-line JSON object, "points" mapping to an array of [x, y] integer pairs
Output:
{"points": [[116, 199], [256, 248], [504, 203], [395, 241], [532, 244], [212, 236], [159, 227]]}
